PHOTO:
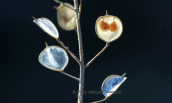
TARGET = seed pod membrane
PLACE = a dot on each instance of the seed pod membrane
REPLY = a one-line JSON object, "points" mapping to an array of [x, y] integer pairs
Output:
{"points": [[66, 17], [108, 28]]}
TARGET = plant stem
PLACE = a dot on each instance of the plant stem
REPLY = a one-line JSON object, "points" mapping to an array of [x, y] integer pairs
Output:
{"points": [[70, 75], [81, 63], [64, 4], [82, 69], [107, 44], [61, 43], [100, 100], [80, 6]]}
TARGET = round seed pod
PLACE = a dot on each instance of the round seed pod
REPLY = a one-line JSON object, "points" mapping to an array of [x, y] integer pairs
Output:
{"points": [[54, 58], [66, 17], [108, 28]]}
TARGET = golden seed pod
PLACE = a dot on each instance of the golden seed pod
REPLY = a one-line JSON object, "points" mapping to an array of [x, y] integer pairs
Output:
{"points": [[108, 28], [66, 17]]}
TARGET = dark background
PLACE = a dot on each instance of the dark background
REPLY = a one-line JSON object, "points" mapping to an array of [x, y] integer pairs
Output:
{"points": [[143, 51]]}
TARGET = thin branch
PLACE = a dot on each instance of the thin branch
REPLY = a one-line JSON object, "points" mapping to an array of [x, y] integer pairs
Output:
{"points": [[123, 74], [99, 101], [69, 51], [80, 6], [65, 5], [107, 44], [70, 75]]}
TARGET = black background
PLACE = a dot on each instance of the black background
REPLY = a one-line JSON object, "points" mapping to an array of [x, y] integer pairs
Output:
{"points": [[143, 51]]}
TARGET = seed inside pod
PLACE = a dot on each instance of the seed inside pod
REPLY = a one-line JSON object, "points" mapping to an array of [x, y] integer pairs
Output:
{"points": [[113, 26], [64, 18], [104, 26]]}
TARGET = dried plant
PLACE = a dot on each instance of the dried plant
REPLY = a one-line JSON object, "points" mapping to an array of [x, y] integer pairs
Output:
{"points": [[108, 28]]}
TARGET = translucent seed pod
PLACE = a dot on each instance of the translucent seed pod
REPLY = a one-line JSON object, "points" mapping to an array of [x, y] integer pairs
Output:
{"points": [[108, 28], [66, 17], [110, 85], [54, 58], [47, 26]]}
